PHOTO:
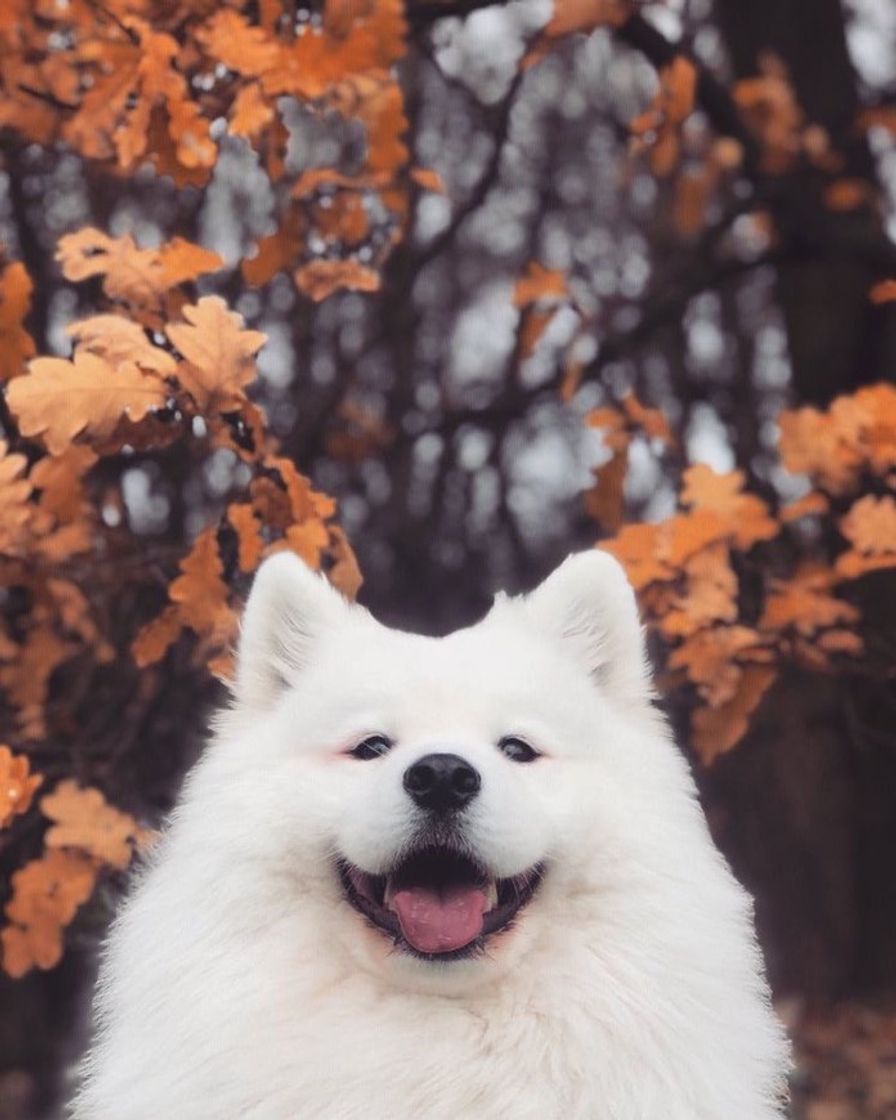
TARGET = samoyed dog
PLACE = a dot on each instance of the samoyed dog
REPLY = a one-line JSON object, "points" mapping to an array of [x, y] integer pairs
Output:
{"points": [[463, 878]]}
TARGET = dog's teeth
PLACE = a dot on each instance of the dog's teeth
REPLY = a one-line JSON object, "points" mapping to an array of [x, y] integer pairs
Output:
{"points": [[491, 895], [389, 893]]}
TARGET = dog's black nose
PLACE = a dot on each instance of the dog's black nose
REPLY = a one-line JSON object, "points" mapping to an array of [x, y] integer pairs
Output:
{"points": [[442, 782]]}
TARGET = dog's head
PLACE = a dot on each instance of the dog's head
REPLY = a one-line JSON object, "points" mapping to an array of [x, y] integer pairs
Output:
{"points": [[430, 797]]}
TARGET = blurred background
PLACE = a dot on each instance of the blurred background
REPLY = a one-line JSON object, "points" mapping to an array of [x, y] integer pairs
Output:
{"points": [[719, 284]]}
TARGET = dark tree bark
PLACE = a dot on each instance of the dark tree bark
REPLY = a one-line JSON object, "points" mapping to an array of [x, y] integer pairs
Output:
{"points": [[838, 340], [810, 793]]}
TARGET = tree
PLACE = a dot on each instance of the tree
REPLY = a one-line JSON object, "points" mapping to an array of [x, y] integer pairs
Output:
{"points": [[502, 288]]}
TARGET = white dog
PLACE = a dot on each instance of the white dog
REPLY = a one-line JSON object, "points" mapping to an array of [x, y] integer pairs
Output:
{"points": [[463, 878]]}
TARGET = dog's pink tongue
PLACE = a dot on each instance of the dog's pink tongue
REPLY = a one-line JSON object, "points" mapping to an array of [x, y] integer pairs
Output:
{"points": [[436, 922]]}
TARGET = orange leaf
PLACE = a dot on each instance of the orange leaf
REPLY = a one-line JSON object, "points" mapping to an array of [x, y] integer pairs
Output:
{"points": [[345, 575], [658, 128], [745, 515], [58, 400], [181, 260], [636, 548], [605, 500], [841, 641], [276, 253], [539, 283], [883, 292], [428, 179], [686, 534], [848, 194], [710, 659], [810, 505], [532, 326], [200, 591], [307, 539], [871, 525], [136, 276], [710, 594], [652, 421], [248, 532], [804, 603], [577, 15], [117, 340], [46, 895], [156, 637], [714, 731], [219, 354], [250, 113], [15, 507], [16, 344], [320, 279], [85, 821], [17, 785]]}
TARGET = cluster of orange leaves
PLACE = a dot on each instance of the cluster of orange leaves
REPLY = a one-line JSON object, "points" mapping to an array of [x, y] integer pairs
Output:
{"points": [[85, 834], [132, 82], [689, 570], [152, 369], [675, 140]]}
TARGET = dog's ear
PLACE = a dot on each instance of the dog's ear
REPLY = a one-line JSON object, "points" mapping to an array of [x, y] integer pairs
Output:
{"points": [[289, 607], [589, 604]]}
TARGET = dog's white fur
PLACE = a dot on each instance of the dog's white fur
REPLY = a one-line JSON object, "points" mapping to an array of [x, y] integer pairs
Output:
{"points": [[237, 981]]}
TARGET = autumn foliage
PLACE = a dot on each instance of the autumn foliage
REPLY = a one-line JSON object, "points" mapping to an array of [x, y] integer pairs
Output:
{"points": [[743, 578]]}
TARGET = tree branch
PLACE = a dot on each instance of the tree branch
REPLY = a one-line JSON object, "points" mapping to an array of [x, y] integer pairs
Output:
{"points": [[638, 33]]}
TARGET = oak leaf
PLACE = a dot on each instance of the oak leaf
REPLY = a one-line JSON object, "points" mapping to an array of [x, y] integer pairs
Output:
{"points": [[427, 179], [46, 895], [810, 505], [16, 344], [709, 596], [25, 677], [17, 785], [651, 421], [250, 113], [636, 547], [805, 603], [345, 575], [657, 129], [533, 324], [540, 284], [715, 730], [139, 277], [278, 252], [841, 641], [883, 292], [59, 400], [320, 279], [856, 432], [570, 16], [219, 354], [200, 591], [250, 543], [711, 659], [746, 515], [605, 499], [16, 510], [156, 637], [870, 526], [84, 820], [308, 539], [118, 339]]}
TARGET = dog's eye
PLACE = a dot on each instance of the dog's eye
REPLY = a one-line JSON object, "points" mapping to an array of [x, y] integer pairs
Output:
{"points": [[517, 750], [374, 746]]}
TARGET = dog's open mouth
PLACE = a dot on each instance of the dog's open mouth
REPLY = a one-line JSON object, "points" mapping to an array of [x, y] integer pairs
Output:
{"points": [[438, 903]]}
